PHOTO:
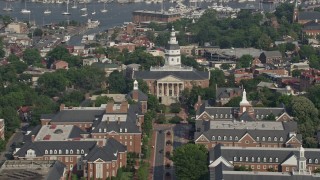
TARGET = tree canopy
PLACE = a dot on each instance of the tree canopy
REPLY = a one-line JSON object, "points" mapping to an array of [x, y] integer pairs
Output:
{"points": [[191, 162]]}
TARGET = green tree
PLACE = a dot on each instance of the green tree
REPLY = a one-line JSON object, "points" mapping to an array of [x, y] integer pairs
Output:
{"points": [[225, 66], [2, 52], [2, 145], [73, 98], [102, 100], [153, 102], [32, 57], [189, 61], [217, 78], [143, 171], [296, 73], [234, 102], [52, 83], [245, 61], [175, 107], [117, 82], [190, 162], [37, 32]]}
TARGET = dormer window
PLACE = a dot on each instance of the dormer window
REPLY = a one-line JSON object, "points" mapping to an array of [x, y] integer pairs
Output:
{"points": [[216, 115], [258, 159], [310, 161], [60, 152], [269, 138], [46, 152], [258, 139], [82, 151], [230, 138], [262, 116], [277, 159], [263, 139], [281, 139], [219, 138], [236, 138], [105, 130], [270, 160], [316, 161], [55, 152], [230, 115], [252, 159], [67, 151], [226, 116], [225, 138], [50, 151], [257, 116], [120, 129], [71, 151], [275, 139], [100, 130], [213, 138], [247, 159], [264, 159], [221, 115], [240, 158], [234, 158], [125, 129], [78, 152]]}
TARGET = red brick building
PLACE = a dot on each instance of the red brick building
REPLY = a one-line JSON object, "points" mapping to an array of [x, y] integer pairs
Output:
{"points": [[309, 78], [60, 65]]}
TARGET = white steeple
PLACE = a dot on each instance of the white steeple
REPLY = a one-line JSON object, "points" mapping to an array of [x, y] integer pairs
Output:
{"points": [[302, 161], [172, 52], [135, 85], [244, 101]]}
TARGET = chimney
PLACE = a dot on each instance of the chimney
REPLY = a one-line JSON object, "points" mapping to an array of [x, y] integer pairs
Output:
{"points": [[124, 107], [109, 107], [62, 106], [32, 138]]}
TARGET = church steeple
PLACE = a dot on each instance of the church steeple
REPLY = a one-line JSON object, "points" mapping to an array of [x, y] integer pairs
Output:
{"points": [[135, 85], [244, 104], [172, 52]]}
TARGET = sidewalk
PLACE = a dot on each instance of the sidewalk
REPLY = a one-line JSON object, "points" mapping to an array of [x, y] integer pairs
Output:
{"points": [[152, 157]]}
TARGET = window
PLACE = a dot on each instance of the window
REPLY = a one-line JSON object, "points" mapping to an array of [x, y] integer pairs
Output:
{"points": [[258, 166], [105, 130], [71, 159], [60, 152], [275, 139], [130, 143], [236, 138], [120, 137], [213, 138], [264, 159], [55, 151], [71, 151], [230, 138], [252, 166], [66, 159], [50, 151], [221, 115], [316, 161], [258, 159], [67, 151], [78, 152], [269, 138], [225, 138], [230, 115], [252, 159], [247, 159], [277, 159], [226, 116], [310, 161], [216, 115], [82, 151], [125, 137], [125, 143], [234, 158], [258, 139], [130, 137], [281, 139], [247, 142], [287, 168], [240, 158], [219, 138], [46, 152], [270, 160], [264, 167], [113, 164], [263, 139], [99, 130]]}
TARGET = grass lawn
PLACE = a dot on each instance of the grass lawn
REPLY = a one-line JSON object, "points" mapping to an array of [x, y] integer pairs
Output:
{"points": [[126, 176]]}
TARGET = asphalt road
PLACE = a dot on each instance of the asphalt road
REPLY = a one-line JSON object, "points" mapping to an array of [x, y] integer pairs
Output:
{"points": [[159, 157], [17, 138]]}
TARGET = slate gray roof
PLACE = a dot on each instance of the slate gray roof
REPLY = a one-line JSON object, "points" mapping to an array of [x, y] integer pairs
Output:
{"points": [[269, 54], [56, 171], [225, 92], [34, 131], [184, 75], [107, 152], [47, 116], [203, 127], [40, 146], [129, 124], [312, 25], [141, 96], [77, 115], [308, 15], [281, 153], [76, 132]]}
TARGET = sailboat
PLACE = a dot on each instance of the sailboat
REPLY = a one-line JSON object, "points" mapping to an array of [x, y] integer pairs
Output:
{"points": [[47, 11], [104, 8], [84, 8], [94, 11], [8, 8], [74, 5], [67, 12], [25, 10], [84, 14]]}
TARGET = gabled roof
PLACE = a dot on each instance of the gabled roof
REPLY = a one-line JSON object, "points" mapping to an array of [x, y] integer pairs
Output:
{"points": [[272, 54], [108, 152], [141, 96], [56, 171], [308, 15], [40, 146]]}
